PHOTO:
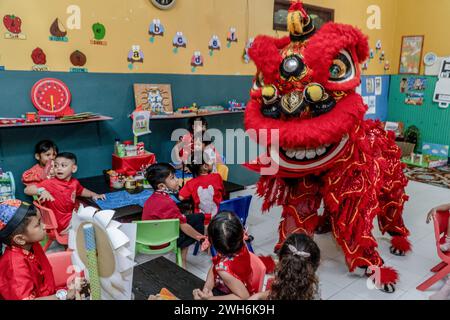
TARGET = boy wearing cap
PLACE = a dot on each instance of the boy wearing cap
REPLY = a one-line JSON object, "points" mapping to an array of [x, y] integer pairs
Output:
{"points": [[25, 272]]}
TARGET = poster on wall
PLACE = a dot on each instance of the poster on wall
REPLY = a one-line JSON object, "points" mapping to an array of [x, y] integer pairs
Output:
{"points": [[378, 86], [417, 84], [372, 104], [141, 123], [403, 85], [414, 98], [370, 86], [156, 98], [411, 54]]}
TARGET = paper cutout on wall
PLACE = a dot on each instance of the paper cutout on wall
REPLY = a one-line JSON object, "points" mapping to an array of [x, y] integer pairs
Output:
{"points": [[378, 86], [13, 24], [179, 41], [141, 123], [74, 20], [231, 36], [372, 54], [417, 84], [114, 245], [365, 66], [58, 32], [248, 45], [382, 57], [99, 31], [414, 98], [39, 59], [135, 55], [372, 104], [378, 45], [155, 29], [196, 60], [370, 86], [78, 59], [214, 44], [387, 66]]}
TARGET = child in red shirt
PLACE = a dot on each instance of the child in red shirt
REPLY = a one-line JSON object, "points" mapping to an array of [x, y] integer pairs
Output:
{"points": [[59, 193], [160, 206], [45, 152], [206, 189], [25, 272], [231, 272]]}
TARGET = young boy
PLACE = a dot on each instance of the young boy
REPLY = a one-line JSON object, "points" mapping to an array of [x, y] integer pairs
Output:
{"points": [[60, 192], [25, 272], [160, 206], [206, 189], [45, 152]]}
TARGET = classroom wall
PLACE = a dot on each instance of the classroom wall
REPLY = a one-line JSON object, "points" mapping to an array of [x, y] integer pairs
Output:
{"points": [[127, 23]]}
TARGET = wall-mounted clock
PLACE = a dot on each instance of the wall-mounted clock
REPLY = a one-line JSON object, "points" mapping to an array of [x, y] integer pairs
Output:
{"points": [[51, 97], [163, 4]]}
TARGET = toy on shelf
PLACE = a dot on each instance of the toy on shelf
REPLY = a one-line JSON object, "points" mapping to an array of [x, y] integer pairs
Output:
{"points": [[209, 109], [7, 186], [51, 97], [186, 110], [233, 105], [8, 121]]}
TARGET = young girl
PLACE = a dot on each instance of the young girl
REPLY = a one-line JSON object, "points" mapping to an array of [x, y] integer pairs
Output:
{"points": [[231, 272], [295, 275], [445, 247], [45, 152]]}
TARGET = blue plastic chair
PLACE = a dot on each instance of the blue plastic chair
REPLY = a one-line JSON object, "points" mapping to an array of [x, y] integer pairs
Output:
{"points": [[240, 206]]}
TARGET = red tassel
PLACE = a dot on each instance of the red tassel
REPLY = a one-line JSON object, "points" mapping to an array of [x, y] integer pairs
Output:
{"points": [[298, 6], [384, 275], [401, 243], [269, 263]]}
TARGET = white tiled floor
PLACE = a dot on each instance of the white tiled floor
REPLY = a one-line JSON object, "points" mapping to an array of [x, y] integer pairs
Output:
{"points": [[336, 282]]}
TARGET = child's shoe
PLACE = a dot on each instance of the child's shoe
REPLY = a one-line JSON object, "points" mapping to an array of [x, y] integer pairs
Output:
{"points": [[445, 247]]}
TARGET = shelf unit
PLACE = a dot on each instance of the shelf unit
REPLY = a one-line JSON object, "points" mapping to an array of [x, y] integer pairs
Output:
{"points": [[192, 115], [56, 122]]}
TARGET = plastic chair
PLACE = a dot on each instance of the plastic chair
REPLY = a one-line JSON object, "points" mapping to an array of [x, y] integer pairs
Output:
{"points": [[51, 226], [440, 220], [223, 171], [60, 262], [157, 233], [259, 271], [240, 206]]}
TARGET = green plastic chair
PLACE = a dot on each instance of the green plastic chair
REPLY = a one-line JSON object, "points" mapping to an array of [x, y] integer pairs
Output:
{"points": [[157, 233]]}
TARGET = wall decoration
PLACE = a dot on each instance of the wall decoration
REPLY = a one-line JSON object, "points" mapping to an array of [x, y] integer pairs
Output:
{"points": [[99, 31], [417, 84], [248, 45], [371, 54], [135, 55], [104, 249], [414, 98], [370, 86], [372, 104], [179, 41], [78, 59], [231, 36], [163, 4], [156, 29], [378, 86], [214, 44], [365, 66], [196, 61], [382, 56], [387, 66], [319, 15], [13, 24], [411, 54], [58, 32], [403, 85], [156, 98], [51, 97], [442, 89], [39, 59], [73, 21], [378, 45], [141, 123]]}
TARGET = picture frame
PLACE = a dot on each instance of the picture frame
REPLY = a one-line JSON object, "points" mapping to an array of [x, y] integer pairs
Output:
{"points": [[411, 51], [156, 98], [319, 15]]}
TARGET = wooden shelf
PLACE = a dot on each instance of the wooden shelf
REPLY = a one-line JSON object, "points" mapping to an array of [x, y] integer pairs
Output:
{"points": [[52, 123], [192, 115]]}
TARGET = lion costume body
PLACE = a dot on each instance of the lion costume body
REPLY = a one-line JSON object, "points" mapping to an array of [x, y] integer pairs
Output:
{"points": [[325, 150]]}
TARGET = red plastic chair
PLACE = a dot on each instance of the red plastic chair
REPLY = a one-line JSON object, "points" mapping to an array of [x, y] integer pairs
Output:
{"points": [[60, 262], [259, 271], [51, 226], [440, 220]]}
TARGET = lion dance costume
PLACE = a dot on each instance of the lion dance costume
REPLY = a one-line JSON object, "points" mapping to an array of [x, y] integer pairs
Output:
{"points": [[326, 151]]}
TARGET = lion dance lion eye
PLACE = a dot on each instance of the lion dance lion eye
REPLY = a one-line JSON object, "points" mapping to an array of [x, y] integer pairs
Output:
{"points": [[342, 68]]}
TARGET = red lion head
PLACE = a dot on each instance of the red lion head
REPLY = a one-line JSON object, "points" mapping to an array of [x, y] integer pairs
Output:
{"points": [[305, 87]]}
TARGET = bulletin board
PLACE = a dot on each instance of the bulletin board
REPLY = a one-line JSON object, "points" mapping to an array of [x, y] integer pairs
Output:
{"points": [[381, 97]]}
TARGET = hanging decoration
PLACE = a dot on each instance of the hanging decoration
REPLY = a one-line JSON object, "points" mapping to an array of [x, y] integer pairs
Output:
{"points": [[214, 44], [387, 66], [39, 59], [248, 45], [365, 66], [179, 41], [382, 56], [378, 45], [372, 54], [135, 55], [197, 60], [99, 31], [13, 24], [231, 36], [156, 29], [58, 32], [78, 59]]}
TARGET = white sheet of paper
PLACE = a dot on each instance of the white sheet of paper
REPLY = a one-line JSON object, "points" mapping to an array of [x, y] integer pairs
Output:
{"points": [[378, 86], [372, 105]]}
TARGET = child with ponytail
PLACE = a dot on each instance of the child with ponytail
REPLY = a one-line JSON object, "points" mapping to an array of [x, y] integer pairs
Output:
{"points": [[295, 274]]}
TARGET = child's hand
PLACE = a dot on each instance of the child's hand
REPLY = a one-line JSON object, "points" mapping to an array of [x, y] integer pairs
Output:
{"points": [[202, 295], [155, 297], [46, 196], [96, 197]]}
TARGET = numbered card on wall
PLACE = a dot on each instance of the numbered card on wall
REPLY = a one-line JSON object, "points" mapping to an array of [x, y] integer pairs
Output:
{"points": [[99, 31], [196, 60], [214, 44], [135, 55], [156, 29], [13, 24], [232, 36], [58, 32]]}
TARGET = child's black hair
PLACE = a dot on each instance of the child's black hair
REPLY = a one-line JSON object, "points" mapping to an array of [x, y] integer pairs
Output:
{"points": [[226, 233], [158, 173], [45, 145], [31, 212], [295, 277], [186, 207], [195, 166], [191, 122], [69, 156]]}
